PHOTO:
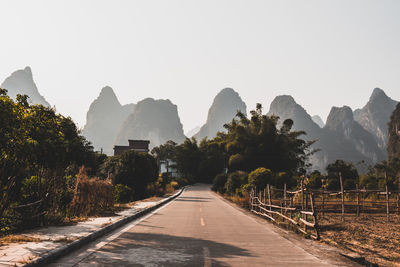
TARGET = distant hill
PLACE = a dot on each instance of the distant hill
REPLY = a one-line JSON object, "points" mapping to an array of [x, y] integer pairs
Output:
{"points": [[192, 132], [375, 116], [223, 109], [21, 82], [394, 134], [104, 120], [154, 120], [332, 144], [317, 119], [341, 120]]}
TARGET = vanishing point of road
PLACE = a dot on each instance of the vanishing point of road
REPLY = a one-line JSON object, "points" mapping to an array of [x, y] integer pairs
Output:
{"points": [[199, 228]]}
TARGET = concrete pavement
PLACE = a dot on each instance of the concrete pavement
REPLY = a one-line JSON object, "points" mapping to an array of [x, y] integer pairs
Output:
{"points": [[201, 229]]}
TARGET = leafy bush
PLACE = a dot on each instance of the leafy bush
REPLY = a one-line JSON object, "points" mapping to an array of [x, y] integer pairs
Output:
{"points": [[122, 193], [171, 187], [315, 180], [219, 183], [235, 181], [134, 169], [260, 177]]}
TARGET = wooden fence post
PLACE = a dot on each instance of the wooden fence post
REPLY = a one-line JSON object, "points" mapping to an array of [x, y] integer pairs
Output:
{"points": [[314, 211], [387, 196], [342, 193], [358, 200], [269, 197], [323, 204], [251, 199], [302, 193], [284, 197], [264, 197]]}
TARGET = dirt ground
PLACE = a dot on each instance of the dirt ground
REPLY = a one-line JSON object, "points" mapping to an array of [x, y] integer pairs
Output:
{"points": [[370, 236]]}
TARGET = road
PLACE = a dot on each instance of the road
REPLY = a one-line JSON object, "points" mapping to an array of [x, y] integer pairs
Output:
{"points": [[201, 229]]}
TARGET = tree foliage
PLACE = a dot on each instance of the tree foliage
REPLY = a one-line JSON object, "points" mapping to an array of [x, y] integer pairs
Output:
{"points": [[36, 145], [257, 142], [134, 169]]}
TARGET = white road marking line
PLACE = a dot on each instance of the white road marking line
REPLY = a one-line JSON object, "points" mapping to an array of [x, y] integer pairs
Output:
{"points": [[202, 222], [207, 260]]}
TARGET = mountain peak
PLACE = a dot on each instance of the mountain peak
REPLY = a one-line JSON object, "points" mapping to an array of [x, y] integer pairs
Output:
{"points": [[339, 115], [154, 120], [223, 109], [377, 93], [284, 100], [21, 82], [28, 70], [107, 92], [317, 119], [375, 115]]}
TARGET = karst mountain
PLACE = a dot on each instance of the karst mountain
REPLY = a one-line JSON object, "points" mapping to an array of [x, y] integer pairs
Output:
{"points": [[104, 120], [375, 116], [154, 120], [21, 82], [224, 108]]}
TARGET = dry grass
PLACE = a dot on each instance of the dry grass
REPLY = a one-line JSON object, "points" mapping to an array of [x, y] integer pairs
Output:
{"points": [[370, 236], [26, 238], [18, 239], [92, 196], [26, 260], [241, 201]]}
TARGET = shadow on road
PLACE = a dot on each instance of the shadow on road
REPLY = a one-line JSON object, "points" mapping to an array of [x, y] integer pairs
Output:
{"points": [[146, 249]]}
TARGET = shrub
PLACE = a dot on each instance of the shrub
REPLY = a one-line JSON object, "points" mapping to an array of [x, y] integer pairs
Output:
{"points": [[171, 187], [122, 193], [234, 181], [219, 182], [91, 196], [315, 180], [260, 177]]}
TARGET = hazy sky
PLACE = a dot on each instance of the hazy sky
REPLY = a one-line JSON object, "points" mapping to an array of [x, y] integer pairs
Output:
{"points": [[323, 53]]}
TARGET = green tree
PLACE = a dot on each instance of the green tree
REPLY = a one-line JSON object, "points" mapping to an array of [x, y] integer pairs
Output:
{"points": [[256, 142], [349, 175], [134, 169], [235, 181], [260, 177]]}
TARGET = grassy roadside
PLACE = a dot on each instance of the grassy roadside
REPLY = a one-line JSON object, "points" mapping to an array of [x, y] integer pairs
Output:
{"points": [[372, 237]]}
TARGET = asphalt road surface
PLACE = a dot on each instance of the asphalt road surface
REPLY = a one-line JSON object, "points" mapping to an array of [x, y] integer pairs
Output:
{"points": [[201, 229]]}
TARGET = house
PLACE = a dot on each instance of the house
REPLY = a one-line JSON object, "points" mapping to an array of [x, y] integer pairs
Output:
{"points": [[135, 145]]}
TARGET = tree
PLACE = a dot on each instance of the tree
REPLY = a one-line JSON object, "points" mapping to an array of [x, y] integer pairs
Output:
{"points": [[165, 152], [134, 169], [256, 142], [187, 157], [36, 147], [347, 170], [213, 161], [260, 177]]}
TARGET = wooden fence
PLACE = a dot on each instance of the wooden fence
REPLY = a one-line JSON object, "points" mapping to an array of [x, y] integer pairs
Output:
{"points": [[284, 209], [301, 209]]}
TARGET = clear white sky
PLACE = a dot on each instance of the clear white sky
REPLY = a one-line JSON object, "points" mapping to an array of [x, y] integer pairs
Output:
{"points": [[322, 52]]}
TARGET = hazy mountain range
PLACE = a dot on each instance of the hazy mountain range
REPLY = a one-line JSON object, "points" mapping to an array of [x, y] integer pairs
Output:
{"points": [[356, 136]]}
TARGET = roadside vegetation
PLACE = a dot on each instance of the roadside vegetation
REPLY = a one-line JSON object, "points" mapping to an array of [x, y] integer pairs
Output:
{"points": [[49, 173]]}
